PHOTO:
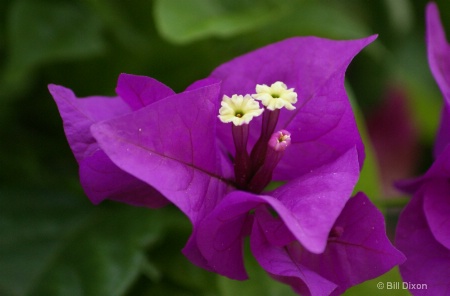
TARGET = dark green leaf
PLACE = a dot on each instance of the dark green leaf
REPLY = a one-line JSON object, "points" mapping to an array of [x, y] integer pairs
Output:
{"points": [[258, 284], [58, 244], [178, 273], [128, 21], [47, 31]]}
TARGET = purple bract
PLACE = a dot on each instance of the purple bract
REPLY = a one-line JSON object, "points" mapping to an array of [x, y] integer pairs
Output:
{"points": [[100, 178], [423, 231]]}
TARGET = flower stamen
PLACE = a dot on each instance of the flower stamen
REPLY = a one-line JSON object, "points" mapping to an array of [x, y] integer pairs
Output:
{"points": [[239, 109], [253, 172], [276, 96], [276, 146], [280, 140]]}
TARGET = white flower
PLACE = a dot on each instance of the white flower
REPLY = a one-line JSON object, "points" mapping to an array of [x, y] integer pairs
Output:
{"points": [[276, 96], [239, 109]]}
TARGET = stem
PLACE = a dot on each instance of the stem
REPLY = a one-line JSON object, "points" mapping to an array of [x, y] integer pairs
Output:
{"points": [[264, 174], [241, 159], [275, 147], [258, 154]]}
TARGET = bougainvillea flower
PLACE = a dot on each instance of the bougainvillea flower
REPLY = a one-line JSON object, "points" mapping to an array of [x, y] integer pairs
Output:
{"points": [[438, 51], [100, 178], [423, 231], [192, 147]]}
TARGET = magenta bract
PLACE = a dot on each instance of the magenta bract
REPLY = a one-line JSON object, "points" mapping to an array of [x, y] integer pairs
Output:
{"points": [[423, 231]]}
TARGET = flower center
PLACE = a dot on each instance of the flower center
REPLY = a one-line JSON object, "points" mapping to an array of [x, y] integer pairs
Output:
{"points": [[253, 172]]}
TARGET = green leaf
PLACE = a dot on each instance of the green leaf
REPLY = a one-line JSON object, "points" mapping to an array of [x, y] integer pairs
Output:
{"points": [[189, 20], [258, 284], [127, 21], [178, 274], [59, 244], [425, 97], [307, 18], [46, 31], [186, 21]]}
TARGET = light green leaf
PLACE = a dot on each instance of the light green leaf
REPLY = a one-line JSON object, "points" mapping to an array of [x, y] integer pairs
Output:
{"points": [[308, 18], [188, 20], [259, 22], [373, 287]]}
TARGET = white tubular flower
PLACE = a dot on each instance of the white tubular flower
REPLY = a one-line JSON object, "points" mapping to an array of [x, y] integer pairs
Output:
{"points": [[276, 96], [239, 109]]}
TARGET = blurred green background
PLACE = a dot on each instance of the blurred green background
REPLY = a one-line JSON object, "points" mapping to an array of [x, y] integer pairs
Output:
{"points": [[54, 242]]}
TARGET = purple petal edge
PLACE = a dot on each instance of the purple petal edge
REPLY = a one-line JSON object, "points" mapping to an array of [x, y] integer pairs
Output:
{"points": [[428, 262], [358, 241]]}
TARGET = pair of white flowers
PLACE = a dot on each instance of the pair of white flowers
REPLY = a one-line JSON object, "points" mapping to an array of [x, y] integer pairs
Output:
{"points": [[241, 109]]}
